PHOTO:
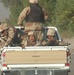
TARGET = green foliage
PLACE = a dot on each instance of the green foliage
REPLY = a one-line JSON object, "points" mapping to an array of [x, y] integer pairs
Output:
{"points": [[15, 11], [60, 12], [15, 6]]}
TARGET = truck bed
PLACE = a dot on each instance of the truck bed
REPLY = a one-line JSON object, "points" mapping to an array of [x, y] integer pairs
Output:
{"points": [[36, 57]]}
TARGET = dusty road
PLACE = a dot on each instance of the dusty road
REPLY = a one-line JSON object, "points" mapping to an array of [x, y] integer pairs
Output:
{"points": [[71, 41], [71, 47], [72, 65]]}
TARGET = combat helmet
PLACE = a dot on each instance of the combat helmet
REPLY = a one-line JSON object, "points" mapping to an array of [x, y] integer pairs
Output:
{"points": [[51, 32], [3, 27], [31, 33], [33, 1]]}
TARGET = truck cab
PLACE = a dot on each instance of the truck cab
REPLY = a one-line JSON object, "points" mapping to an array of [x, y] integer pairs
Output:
{"points": [[36, 60]]}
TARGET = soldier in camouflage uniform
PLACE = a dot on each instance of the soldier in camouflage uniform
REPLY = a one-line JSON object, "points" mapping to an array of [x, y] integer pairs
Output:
{"points": [[11, 36], [51, 38], [34, 16], [51, 41], [32, 40], [7, 34], [1, 40]]}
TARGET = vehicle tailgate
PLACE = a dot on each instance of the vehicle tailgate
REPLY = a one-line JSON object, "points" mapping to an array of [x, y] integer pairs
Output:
{"points": [[36, 57]]}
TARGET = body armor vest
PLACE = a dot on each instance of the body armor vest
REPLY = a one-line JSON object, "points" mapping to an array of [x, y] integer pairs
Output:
{"points": [[36, 14]]}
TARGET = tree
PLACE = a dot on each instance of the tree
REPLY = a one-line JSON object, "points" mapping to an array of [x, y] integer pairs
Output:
{"points": [[61, 12]]}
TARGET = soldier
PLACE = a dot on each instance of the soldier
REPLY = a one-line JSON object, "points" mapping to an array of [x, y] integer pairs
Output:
{"points": [[31, 41], [7, 34], [51, 38], [1, 41], [51, 41], [11, 36], [34, 16]]}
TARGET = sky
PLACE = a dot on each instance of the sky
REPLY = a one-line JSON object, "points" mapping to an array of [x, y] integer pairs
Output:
{"points": [[4, 12]]}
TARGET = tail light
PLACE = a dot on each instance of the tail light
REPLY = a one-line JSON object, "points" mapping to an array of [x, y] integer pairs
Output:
{"points": [[4, 65], [68, 59], [3, 59], [67, 64], [3, 54]]}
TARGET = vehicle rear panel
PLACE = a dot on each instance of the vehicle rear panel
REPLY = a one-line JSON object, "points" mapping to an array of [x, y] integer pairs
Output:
{"points": [[36, 57]]}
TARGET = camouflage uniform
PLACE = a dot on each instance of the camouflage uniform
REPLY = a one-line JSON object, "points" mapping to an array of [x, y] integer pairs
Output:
{"points": [[30, 25], [24, 39], [7, 35], [34, 24], [51, 41], [1, 41], [30, 42]]}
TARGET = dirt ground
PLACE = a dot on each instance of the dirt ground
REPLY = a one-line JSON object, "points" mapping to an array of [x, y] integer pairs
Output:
{"points": [[71, 41]]}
